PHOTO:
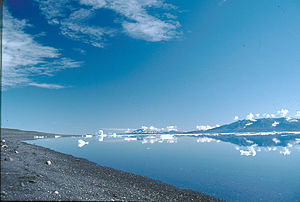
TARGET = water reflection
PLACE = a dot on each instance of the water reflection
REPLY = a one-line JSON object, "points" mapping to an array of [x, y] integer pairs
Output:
{"points": [[246, 145], [158, 139], [233, 167]]}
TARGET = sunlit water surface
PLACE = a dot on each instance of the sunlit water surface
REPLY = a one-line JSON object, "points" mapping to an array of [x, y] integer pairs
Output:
{"points": [[230, 167]]}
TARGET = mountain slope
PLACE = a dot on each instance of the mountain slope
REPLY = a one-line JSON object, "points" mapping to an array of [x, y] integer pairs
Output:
{"points": [[258, 125]]}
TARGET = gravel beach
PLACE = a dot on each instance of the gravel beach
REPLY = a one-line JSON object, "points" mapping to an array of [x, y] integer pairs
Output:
{"points": [[30, 172]]}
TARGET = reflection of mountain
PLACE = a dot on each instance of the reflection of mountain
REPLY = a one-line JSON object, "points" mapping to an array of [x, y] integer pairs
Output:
{"points": [[258, 125], [278, 140], [248, 145], [260, 140]]}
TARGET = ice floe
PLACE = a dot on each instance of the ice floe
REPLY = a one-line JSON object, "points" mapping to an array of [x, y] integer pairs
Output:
{"points": [[38, 137], [82, 143]]}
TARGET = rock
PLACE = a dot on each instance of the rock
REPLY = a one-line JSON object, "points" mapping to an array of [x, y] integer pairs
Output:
{"points": [[32, 181], [48, 163], [4, 146], [39, 175], [56, 192], [16, 152], [8, 159], [3, 193], [22, 184], [3, 141]]}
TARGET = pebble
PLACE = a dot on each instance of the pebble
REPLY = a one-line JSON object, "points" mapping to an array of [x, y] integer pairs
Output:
{"points": [[16, 152], [56, 192], [39, 175], [2, 141], [8, 159], [22, 184], [48, 163], [4, 146]]}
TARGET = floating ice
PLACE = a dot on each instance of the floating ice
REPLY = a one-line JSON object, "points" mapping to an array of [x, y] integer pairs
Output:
{"points": [[81, 143], [38, 137]]}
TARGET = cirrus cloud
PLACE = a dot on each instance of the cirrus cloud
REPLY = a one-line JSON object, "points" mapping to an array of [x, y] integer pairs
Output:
{"points": [[24, 58], [134, 19]]}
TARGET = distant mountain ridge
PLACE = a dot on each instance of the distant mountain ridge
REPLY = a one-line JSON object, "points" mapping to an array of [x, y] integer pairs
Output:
{"points": [[257, 125], [254, 125]]}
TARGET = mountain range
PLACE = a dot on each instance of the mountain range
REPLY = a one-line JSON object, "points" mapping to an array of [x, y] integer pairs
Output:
{"points": [[252, 125]]}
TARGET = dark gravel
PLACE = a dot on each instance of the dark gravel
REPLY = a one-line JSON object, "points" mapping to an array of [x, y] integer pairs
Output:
{"points": [[25, 175]]}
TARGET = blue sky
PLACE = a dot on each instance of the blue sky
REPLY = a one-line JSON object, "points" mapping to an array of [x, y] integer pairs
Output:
{"points": [[78, 66]]}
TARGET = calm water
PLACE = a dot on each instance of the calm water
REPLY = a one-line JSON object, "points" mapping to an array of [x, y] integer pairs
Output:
{"points": [[235, 168]]}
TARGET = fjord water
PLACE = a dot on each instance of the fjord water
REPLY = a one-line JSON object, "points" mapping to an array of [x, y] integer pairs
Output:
{"points": [[234, 168]]}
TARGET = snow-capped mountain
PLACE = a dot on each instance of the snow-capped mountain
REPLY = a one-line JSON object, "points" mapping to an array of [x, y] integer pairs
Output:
{"points": [[257, 125], [247, 125]]}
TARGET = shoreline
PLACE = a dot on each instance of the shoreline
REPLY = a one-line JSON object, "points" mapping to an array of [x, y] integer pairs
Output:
{"points": [[26, 175]]}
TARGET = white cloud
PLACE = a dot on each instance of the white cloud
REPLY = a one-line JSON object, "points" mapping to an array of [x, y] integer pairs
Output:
{"points": [[24, 58], [204, 127], [135, 19], [283, 112], [152, 129], [171, 128], [46, 85], [236, 118], [171, 16], [250, 117], [297, 114], [95, 3], [140, 24], [87, 34]]}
